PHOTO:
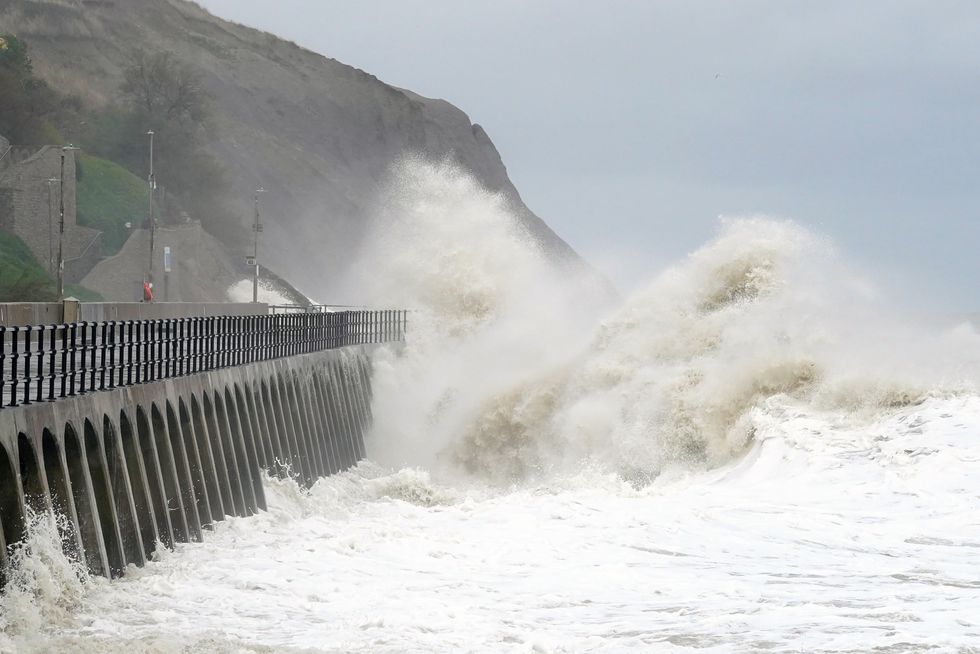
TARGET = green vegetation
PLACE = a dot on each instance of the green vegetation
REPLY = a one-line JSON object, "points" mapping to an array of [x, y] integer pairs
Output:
{"points": [[22, 278], [159, 92], [109, 196], [31, 108], [83, 294], [163, 94]]}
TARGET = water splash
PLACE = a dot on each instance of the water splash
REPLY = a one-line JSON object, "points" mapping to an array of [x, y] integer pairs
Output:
{"points": [[511, 373], [44, 586]]}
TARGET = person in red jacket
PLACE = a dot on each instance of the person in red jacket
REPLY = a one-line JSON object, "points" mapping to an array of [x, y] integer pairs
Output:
{"points": [[147, 292]]}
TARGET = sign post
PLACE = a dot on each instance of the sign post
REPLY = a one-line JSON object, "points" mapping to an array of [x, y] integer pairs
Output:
{"points": [[167, 265]]}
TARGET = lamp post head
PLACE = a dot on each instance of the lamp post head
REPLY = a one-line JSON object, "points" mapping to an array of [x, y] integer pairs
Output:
{"points": [[149, 132]]}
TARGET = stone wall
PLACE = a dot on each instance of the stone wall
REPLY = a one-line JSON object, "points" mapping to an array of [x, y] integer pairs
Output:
{"points": [[203, 269], [142, 467], [30, 207]]}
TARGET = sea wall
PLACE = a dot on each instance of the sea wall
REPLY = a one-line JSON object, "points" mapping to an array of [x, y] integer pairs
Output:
{"points": [[159, 463]]}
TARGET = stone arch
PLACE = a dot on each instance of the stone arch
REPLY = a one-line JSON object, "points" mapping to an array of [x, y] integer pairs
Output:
{"points": [[120, 490], [31, 480], [231, 492], [216, 485], [106, 508], [323, 416], [238, 484], [286, 415], [183, 476], [277, 442], [60, 494], [308, 431], [153, 478], [85, 506], [197, 474], [249, 435], [142, 499], [260, 431], [342, 417], [11, 511], [237, 430], [168, 474]]}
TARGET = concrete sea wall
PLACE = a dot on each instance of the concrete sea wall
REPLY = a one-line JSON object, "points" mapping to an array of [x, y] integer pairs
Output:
{"points": [[161, 462]]}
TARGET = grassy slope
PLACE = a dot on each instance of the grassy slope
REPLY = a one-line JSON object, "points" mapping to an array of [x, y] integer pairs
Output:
{"points": [[24, 279], [108, 197]]}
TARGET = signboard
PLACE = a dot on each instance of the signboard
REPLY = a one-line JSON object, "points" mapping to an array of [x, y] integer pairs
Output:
{"points": [[167, 259], [249, 260]]}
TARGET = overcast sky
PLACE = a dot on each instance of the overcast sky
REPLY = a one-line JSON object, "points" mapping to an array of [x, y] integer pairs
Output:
{"points": [[630, 126]]}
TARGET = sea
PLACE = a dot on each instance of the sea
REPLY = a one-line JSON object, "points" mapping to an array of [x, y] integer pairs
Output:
{"points": [[753, 452]]}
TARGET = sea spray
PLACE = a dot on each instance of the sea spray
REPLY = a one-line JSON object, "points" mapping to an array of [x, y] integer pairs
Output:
{"points": [[748, 454], [44, 585], [510, 374]]}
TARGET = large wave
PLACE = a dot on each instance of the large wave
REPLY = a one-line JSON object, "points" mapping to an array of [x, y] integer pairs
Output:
{"points": [[514, 371]]}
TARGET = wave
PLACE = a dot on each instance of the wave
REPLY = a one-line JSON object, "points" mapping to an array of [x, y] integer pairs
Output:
{"points": [[514, 372]]}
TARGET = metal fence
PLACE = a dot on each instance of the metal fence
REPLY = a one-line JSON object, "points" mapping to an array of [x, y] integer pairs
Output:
{"points": [[47, 362]]}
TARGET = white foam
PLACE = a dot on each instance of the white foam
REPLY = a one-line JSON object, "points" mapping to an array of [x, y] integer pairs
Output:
{"points": [[747, 455]]}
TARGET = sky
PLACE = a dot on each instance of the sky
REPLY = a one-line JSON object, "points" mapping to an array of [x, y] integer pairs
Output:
{"points": [[630, 126]]}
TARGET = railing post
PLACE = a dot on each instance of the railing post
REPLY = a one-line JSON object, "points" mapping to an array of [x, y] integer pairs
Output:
{"points": [[107, 344], [73, 359], [151, 350], [88, 355], [257, 322], [64, 360], [170, 354], [131, 335], [198, 329], [27, 364], [161, 336], [223, 330], [147, 342], [52, 362], [99, 348], [212, 341], [14, 331], [241, 340]]}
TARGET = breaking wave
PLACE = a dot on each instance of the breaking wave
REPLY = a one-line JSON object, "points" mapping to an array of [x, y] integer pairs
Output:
{"points": [[512, 372]]}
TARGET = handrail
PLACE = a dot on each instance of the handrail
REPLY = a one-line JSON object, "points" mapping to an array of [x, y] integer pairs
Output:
{"points": [[43, 363]]}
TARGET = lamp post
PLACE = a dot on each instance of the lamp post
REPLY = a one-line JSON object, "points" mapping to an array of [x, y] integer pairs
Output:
{"points": [[256, 228], [152, 185], [61, 224], [50, 181]]}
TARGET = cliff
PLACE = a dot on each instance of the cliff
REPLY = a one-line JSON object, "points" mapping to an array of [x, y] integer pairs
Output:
{"points": [[317, 134]]}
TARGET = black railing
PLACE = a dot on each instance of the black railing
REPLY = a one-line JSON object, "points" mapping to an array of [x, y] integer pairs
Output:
{"points": [[48, 362]]}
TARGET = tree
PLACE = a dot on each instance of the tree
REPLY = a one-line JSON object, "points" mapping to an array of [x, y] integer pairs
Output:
{"points": [[164, 89], [29, 106], [163, 94]]}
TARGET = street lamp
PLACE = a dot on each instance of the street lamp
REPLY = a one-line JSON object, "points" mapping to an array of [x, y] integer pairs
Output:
{"points": [[256, 228], [61, 223], [152, 184], [50, 181]]}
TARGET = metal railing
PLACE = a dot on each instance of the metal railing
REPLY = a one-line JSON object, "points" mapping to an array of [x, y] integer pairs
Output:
{"points": [[40, 363]]}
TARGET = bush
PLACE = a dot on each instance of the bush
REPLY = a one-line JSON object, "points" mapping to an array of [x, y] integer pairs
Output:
{"points": [[22, 278]]}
